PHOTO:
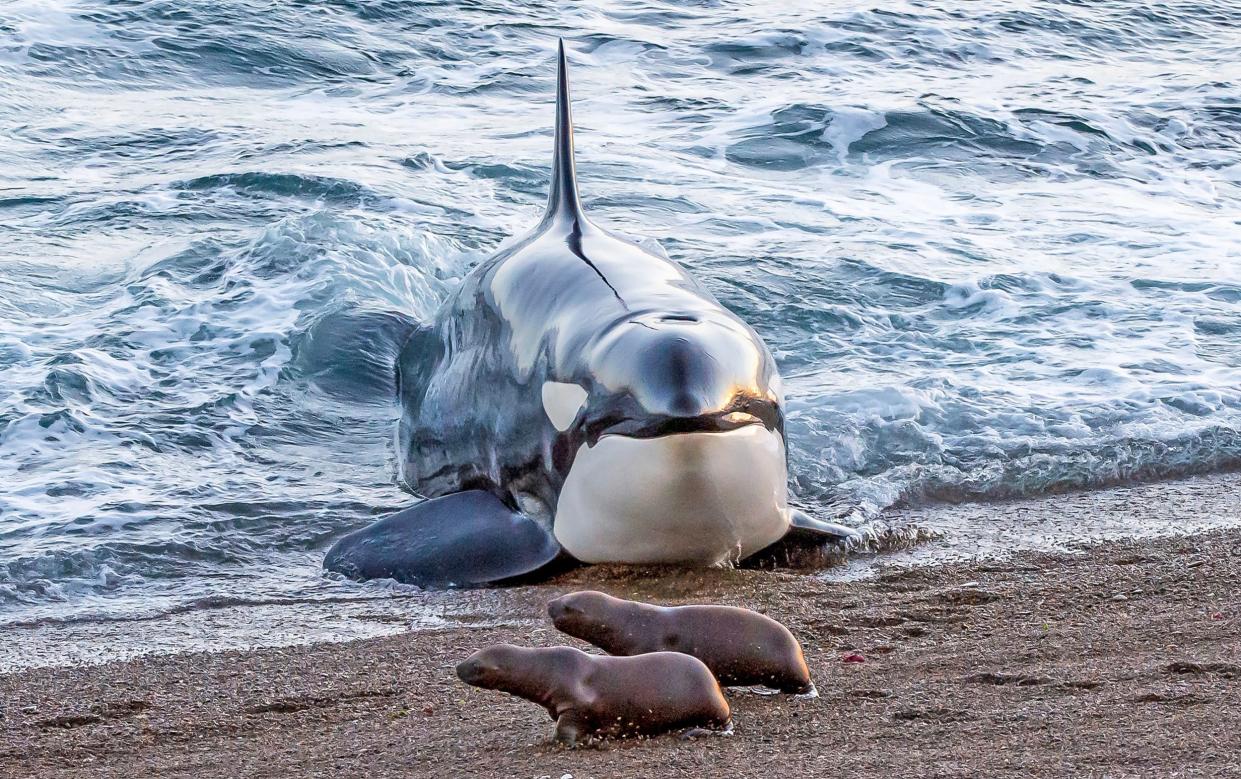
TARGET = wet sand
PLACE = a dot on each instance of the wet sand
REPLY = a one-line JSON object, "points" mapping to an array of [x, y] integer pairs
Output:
{"points": [[1121, 660]]}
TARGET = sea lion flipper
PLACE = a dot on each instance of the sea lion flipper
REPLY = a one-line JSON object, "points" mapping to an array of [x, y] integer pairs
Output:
{"points": [[466, 539], [569, 729], [803, 527]]}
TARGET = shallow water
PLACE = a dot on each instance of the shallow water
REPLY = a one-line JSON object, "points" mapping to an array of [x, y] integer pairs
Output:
{"points": [[995, 251]]}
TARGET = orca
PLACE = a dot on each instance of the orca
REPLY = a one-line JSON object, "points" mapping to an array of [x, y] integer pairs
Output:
{"points": [[578, 397]]}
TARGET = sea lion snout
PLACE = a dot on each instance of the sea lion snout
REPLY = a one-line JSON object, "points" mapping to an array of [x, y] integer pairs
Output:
{"points": [[470, 671], [560, 609]]}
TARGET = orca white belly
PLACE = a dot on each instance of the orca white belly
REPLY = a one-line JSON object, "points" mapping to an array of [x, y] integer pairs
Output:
{"points": [[695, 498]]}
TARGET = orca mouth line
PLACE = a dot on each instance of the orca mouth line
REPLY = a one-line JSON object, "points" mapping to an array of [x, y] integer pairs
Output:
{"points": [[659, 427]]}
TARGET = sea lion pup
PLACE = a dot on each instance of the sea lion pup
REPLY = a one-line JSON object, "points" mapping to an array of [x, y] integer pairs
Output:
{"points": [[590, 695], [741, 647]]}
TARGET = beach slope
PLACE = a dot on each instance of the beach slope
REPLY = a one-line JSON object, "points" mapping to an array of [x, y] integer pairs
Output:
{"points": [[1121, 660]]}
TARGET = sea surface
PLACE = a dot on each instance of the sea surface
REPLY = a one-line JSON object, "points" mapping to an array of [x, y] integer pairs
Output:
{"points": [[995, 248]]}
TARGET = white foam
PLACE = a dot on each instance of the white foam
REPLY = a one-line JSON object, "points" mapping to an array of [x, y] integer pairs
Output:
{"points": [[849, 125]]}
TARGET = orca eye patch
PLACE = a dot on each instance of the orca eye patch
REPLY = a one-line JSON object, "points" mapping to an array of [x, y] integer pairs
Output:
{"points": [[561, 402]]}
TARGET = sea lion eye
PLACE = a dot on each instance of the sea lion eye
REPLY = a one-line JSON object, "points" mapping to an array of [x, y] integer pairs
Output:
{"points": [[561, 402]]}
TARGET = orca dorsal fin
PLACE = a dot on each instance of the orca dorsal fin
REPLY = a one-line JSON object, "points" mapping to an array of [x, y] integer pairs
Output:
{"points": [[562, 198]]}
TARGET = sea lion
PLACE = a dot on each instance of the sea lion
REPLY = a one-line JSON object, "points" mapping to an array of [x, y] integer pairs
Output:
{"points": [[741, 647], [589, 695], [580, 397]]}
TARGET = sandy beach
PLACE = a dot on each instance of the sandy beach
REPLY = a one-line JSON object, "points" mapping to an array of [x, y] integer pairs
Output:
{"points": [[1123, 659], [622, 280]]}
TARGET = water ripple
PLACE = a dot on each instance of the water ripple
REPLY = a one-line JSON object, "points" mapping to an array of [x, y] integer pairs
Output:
{"points": [[993, 249]]}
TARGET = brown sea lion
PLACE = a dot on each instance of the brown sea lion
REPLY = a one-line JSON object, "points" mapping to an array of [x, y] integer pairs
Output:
{"points": [[591, 695], [741, 647]]}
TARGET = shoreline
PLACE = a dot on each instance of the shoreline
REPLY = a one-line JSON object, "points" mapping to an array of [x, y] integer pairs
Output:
{"points": [[967, 532], [1120, 659]]}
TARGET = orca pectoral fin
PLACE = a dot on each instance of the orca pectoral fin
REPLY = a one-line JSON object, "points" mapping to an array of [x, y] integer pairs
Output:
{"points": [[805, 545], [806, 528], [467, 539]]}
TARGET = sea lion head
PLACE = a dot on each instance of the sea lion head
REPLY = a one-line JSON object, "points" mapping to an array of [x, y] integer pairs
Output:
{"points": [[587, 615], [488, 668]]}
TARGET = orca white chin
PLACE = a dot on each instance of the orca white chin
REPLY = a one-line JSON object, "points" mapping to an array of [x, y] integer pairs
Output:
{"points": [[698, 498]]}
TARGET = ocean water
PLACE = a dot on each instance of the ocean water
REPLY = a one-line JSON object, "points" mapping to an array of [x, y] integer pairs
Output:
{"points": [[996, 250]]}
